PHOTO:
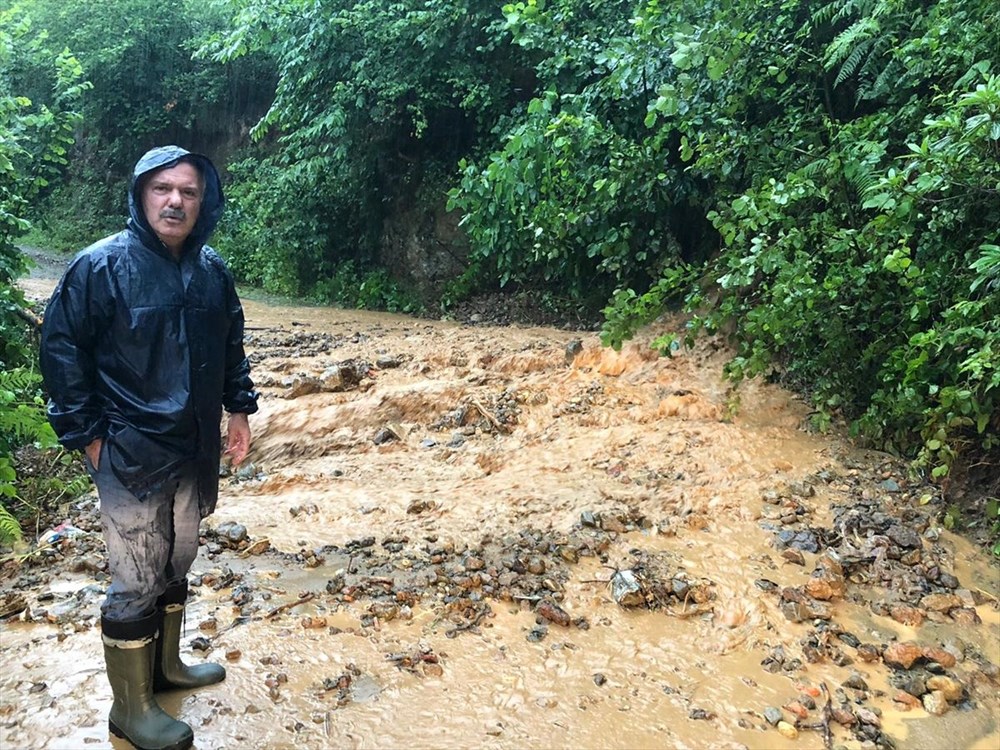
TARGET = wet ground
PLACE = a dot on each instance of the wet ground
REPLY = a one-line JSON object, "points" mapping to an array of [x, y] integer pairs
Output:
{"points": [[453, 536]]}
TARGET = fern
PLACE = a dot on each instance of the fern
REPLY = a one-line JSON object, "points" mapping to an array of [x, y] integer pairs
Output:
{"points": [[10, 529], [833, 13], [22, 419], [850, 46]]}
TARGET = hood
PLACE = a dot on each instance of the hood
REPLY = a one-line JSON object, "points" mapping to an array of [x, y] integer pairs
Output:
{"points": [[211, 203]]}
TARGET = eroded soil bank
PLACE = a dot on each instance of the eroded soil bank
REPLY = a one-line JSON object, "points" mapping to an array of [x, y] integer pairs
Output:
{"points": [[421, 554]]}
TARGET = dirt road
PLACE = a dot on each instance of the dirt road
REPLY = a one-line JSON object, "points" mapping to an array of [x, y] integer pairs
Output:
{"points": [[420, 556]]}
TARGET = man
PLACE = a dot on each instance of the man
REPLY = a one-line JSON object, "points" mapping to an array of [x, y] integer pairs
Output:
{"points": [[142, 347]]}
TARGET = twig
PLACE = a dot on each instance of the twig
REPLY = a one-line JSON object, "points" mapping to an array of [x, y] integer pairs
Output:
{"points": [[489, 417], [28, 317], [452, 632], [288, 605]]}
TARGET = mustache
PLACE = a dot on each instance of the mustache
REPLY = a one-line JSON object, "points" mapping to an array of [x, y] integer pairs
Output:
{"points": [[173, 213]]}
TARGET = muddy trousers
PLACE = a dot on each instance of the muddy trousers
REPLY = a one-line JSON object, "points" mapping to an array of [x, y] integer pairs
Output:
{"points": [[151, 542]]}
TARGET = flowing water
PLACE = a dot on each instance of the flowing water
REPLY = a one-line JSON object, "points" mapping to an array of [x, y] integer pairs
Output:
{"points": [[612, 434]]}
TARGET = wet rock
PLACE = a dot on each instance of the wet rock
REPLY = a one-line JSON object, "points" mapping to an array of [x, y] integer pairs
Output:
{"points": [[940, 602], [940, 656], [772, 715], [966, 598], [536, 566], [843, 717], [805, 541], [801, 489], [797, 606], [965, 616], [935, 703], [787, 730], [554, 613], [385, 611], [951, 689], [868, 652], [246, 473], [588, 519], [850, 639], [902, 654], [301, 385], [385, 435], [538, 633], [336, 378], [855, 682], [507, 579], [913, 557], [336, 584], [573, 348], [610, 523], [904, 536], [948, 581], [793, 555], [201, 644], [387, 362], [907, 700], [625, 589], [700, 714], [209, 625], [796, 708], [890, 485], [867, 716], [599, 679], [913, 684], [569, 554], [231, 532], [766, 585], [906, 614], [420, 506], [474, 563], [824, 589], [233, 654], [86, 564], [433, 670]]}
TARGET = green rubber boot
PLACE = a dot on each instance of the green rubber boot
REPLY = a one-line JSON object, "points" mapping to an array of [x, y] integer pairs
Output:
{"points": [[135, 714], [169, 672]]}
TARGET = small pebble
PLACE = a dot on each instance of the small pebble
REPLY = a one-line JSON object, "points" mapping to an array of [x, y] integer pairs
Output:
{"points": [[787, 730]]}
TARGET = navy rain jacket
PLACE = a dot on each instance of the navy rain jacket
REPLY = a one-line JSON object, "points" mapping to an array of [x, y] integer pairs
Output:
{"points": [[144, 350]]}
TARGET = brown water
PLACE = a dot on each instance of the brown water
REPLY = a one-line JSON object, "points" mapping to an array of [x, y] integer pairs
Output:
{"points": [[609, 432]]}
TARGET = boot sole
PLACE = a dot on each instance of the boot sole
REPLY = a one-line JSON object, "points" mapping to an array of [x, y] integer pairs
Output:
{"points": [[182, 745]]}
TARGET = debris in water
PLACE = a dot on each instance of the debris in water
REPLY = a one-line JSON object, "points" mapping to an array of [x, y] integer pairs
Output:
{"points": [[625, 589], [554, 613]]}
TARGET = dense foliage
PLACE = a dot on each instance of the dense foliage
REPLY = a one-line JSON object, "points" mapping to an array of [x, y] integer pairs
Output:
{"points": [[846, 156], [818, 181], [34, 139], [146, 89]]}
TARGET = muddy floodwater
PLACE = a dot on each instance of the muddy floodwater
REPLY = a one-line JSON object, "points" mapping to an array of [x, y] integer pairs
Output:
{"points": [[419, 550]]}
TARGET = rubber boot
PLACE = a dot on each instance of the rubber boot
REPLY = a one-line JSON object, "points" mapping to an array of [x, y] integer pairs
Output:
{"points": [[169, 672], [135, 714]]}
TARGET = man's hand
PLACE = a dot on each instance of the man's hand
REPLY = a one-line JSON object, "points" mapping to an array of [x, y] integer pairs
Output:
{"points": [[238, 438], [93, 451]]}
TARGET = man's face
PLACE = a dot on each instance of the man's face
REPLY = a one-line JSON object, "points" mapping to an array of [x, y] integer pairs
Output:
{"points": [[171, 199]]}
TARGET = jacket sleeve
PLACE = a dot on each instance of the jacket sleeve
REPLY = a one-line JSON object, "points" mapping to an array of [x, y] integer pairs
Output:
{"points": [[237, 393], [77, 312]]}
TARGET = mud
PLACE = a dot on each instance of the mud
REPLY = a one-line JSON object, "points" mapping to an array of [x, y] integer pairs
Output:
{"points": [[420, 550]]}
